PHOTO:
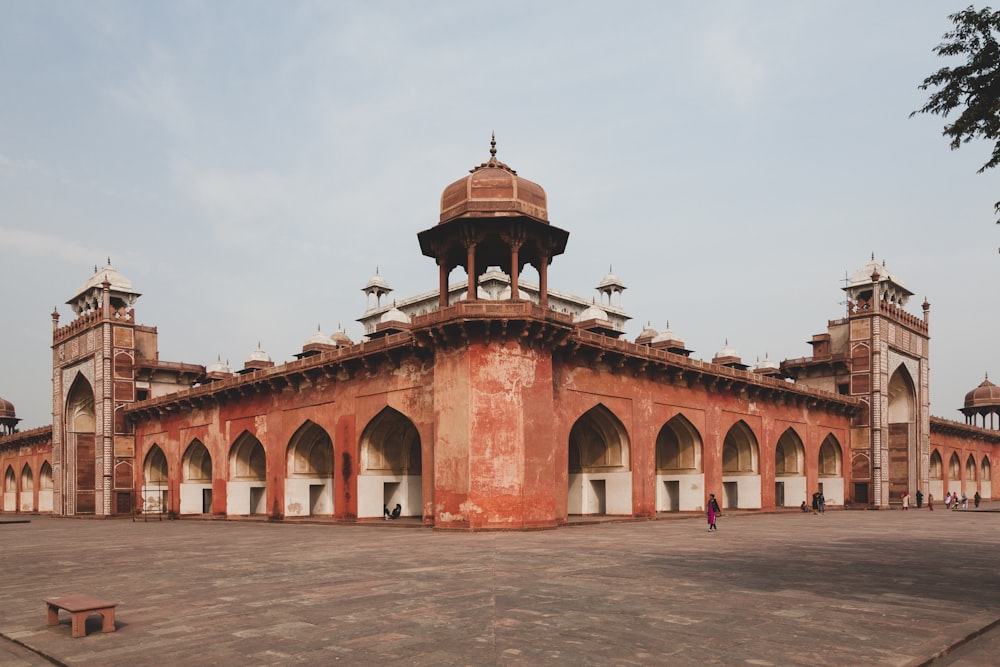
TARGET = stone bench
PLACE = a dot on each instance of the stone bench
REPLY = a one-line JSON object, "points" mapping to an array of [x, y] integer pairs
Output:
{"points": [[80, 607]]}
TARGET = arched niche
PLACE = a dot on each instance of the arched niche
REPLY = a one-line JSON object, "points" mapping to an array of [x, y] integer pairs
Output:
{"points": [[680, 479], [599, 481], [79, 420], [391, 466], [246, 490], [740, 467], [196, 485], [309, 472]]}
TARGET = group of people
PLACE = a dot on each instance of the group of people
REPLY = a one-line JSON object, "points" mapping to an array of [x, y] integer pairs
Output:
{"points": [[952, 501]]}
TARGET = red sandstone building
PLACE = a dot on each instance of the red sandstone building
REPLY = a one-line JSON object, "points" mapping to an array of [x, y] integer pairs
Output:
{"points": [[493, 403]]}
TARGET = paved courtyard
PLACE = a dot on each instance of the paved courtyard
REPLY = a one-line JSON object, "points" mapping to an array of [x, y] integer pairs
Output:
{"points": [[845, 588]]}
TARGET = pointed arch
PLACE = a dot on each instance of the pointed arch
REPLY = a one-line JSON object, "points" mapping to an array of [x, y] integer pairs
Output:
{"points": [[740, 467], [970, 468], [902, 422], [155, 466], [80, 406], [9, 489], [678, 446], [45, 477], [390, 444], [247, 459], [196, 464], [830, 457], [196, 479], [598, 442], [954, 468], [79, 423], [789, 454], [246, 491], [679, 471], [391, 466], [155, 482], [985, 478], [309, 472], [27, 479], [740, 451], [599, 481], [45, 487], [936, 466], [789, 467]]}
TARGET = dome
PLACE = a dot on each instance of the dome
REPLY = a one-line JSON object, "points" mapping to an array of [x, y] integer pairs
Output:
{"points": [[89, 296], [727, 351], [377, 282], [394, 315], [592, 313], [118, 282], [259, 355], [340, 338], [491, 190], [667, 335], [985, 395], [318, 338], [6, 410], [647, 335], [219, 366], [766, 365], [610, 280]]}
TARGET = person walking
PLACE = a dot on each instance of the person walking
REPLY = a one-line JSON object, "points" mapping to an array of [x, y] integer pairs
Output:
{"points": [[947, 500], [977, 499], [906, 500], [965, 500], [712, 511], [920, 498], [930, 502], [822, 503]]}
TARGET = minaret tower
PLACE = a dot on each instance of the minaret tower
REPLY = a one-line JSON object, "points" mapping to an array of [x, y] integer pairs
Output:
{"points": [[93, 377], [888, 350]]}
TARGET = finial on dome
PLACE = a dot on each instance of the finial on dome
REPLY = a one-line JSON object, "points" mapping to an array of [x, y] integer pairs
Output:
{"points": [[493, 144], [109, 260]]}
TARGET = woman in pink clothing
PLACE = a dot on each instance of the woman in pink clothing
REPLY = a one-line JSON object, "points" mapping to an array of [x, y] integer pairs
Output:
{"points": [[712, 511]]}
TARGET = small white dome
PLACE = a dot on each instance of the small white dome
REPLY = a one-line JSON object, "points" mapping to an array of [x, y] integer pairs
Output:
{"points": [[766, 365], [219, 366], [668, 335], [377, 282], [610, 280], [394, 315], [649, 331], [592, 313], [727, 351], [319, 338], [259, 355], [340, 338]]}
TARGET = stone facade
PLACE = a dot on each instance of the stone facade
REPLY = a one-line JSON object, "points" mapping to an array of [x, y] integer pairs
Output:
{"points": [[517, 408]]}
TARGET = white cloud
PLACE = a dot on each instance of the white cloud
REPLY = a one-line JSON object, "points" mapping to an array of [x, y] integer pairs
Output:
{"points": [[53, 246]]}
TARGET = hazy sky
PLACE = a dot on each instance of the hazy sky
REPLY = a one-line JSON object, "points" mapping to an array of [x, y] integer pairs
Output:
{"points": [[248, 165]]}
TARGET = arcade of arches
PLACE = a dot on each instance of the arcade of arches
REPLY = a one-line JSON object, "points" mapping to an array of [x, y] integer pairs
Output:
{"points": [[492, 403]]}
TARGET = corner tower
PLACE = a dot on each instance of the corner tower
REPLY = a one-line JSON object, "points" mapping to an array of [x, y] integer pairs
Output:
{"points": [[93, 376], [494, 452], [878, 353]]}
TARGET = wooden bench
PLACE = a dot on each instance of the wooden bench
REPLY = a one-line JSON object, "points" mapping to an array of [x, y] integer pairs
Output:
{"points": [[80, 607]]}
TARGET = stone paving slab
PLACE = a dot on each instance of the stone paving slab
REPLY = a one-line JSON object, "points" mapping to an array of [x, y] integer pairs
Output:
{"points": [[845, 588]]}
